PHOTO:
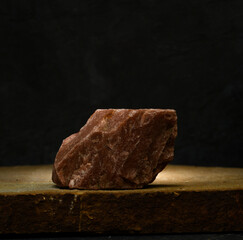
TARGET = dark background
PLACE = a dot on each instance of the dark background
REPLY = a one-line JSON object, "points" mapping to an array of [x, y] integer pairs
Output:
{"points": [[61, 60]]}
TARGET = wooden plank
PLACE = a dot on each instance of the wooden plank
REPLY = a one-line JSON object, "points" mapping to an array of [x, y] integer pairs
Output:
{"points": [[181, 199]]}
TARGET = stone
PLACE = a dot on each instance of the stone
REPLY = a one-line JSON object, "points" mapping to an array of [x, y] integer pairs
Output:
{"points": [[117, 149]]}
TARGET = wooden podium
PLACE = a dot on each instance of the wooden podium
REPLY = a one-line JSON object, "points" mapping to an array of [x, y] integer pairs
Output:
{"points": [[181, 199]]}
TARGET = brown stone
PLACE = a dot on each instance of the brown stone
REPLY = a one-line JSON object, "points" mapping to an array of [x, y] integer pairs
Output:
{"points": [[117, 149]]}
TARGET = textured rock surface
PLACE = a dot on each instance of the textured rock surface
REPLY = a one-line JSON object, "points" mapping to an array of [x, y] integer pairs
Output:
{"points": [[117, 149]]}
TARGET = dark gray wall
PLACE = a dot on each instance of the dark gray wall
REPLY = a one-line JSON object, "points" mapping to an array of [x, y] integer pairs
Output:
{"points": [[60, 60]]}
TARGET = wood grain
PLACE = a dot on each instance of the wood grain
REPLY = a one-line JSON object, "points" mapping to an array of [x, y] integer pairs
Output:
{"points": [[181, 199]]}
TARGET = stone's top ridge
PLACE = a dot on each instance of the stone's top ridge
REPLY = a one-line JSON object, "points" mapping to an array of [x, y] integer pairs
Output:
{"points": [[135, 109]]}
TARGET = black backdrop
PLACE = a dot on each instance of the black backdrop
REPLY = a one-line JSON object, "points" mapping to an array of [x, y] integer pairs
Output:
{"points": [[61, 60]]}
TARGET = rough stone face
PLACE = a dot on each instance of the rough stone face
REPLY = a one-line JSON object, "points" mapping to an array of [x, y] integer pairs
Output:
{"points": [[117, 149]]}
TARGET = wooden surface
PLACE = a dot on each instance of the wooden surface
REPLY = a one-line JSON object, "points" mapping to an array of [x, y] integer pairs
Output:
{"points": [[181, 199]]}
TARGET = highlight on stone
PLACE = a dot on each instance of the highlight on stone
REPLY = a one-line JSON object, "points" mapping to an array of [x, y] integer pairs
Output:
{"points": [[117, 149]]}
